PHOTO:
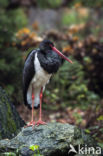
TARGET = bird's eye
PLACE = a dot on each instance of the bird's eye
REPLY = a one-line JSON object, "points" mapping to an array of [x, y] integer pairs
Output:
{"points": [[51, 45]]}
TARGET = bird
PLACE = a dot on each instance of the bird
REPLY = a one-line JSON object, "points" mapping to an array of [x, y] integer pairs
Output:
{"points": [[39, 66]]}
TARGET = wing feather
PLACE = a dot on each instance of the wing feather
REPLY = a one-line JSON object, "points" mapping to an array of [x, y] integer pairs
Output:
{"points": [[28, 73]]}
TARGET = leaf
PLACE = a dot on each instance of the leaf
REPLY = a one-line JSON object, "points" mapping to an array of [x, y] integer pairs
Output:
{"points": [[87, 131], [34, 147], [68, 48], [100, 118]]}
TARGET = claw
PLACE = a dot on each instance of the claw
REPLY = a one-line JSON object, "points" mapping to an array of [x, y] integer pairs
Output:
{"points": [[32, 123], [40, 122]]}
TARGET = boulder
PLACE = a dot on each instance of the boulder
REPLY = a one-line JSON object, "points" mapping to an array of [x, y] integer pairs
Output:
{"points": [[10, 121], [53, 139]]}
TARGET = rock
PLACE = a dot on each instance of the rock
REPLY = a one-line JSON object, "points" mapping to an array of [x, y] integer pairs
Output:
{"points": [[10, 121], [53, 139]]}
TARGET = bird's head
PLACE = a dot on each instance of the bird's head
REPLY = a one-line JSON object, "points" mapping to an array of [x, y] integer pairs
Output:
{"points": [[46, 45]]}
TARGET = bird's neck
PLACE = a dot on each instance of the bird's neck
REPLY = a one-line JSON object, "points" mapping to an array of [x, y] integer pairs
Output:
{"points": [[49, 61]]}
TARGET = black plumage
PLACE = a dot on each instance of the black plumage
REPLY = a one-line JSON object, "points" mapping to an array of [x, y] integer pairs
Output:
{"points": [[38, 68], [49, 60], [28, 73]]}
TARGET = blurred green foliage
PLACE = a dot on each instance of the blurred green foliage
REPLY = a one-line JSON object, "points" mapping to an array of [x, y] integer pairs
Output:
{"points": [[49, 3], [10, 55], [72, 17], [88, 3], [69, 87], [58, 3], [4, 3]]}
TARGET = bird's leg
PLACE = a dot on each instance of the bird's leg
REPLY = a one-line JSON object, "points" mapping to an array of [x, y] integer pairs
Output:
{"points": [[32, 122], [40, 122]]}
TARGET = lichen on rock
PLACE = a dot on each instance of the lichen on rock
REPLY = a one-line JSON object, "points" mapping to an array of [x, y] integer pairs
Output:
{"points": [[53, 139], [10, 121]]}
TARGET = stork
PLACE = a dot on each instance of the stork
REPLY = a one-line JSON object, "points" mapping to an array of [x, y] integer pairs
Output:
{"points": [[39, 66]]}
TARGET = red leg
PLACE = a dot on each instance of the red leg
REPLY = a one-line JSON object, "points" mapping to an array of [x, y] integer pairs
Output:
{"points": [[32, 122], [40, 122]]}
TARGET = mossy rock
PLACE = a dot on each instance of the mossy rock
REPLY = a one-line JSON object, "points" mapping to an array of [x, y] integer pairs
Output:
{"points": [[10, 121], [53, 139]]}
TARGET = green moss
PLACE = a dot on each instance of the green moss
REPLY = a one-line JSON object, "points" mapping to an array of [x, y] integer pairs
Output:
{"points": [[10, 122]]}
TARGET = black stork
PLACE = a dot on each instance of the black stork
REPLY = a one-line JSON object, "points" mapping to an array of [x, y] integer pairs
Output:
{"points": [[39, 66]]}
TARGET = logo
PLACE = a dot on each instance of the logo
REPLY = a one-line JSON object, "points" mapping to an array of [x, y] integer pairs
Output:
{"points": [[85, 149], [72, 149]]}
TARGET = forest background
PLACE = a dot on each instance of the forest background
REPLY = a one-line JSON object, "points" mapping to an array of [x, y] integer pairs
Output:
{"points": [[75, 94]]}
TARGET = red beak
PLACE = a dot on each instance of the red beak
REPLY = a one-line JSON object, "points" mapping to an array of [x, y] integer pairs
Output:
{"points": [[59, 53]]}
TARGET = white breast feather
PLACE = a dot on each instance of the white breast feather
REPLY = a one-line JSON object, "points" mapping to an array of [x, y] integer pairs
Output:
{"points": [[40, 79]]}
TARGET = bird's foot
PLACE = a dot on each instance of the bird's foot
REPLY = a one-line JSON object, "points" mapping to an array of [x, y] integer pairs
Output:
{"points": [[40, 122], [31, 123]]}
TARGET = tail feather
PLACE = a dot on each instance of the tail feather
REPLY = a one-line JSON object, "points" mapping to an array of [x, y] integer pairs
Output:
{"points": [[36, 98]]}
